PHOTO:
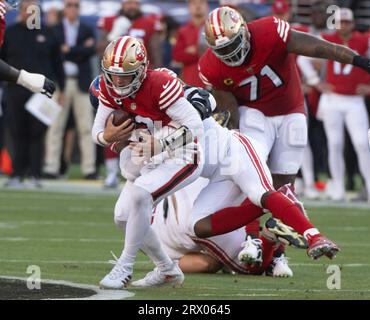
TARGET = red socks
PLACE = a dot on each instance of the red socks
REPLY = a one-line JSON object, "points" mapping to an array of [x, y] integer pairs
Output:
{"points": [[230, 219], [284, 209]]}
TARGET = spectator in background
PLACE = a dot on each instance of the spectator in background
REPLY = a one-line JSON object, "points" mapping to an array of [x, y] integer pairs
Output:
{"points": [[53, 16], [343, 105], [37, 51], [281, 10], [147, 28], [77, 44], [187, 50]]}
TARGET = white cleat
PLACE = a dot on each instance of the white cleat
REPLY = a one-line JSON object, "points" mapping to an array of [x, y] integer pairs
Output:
{"points": [[280, 268], [118, 278], [311, 193], [251, 252], [156, 278]]}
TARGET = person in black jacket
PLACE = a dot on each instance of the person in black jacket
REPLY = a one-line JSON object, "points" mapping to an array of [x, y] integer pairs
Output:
{"points": [[78, 46], [37, 51]]}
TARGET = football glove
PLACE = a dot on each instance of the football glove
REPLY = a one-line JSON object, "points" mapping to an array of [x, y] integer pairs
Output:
{"points": [[36, 83]]}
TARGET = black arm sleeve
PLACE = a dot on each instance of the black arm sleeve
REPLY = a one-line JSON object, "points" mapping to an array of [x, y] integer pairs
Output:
{"points": [[8, 73]]}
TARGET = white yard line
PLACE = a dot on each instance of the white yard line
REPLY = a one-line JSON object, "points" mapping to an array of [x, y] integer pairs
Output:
{"points": [[64, 261], [100, 294]]}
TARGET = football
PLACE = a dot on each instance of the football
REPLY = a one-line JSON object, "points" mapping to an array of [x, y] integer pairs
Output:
{"points": [[120, 116]]}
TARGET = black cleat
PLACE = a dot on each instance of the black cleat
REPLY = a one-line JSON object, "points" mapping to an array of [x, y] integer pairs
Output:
{"points": [[276, 230]]}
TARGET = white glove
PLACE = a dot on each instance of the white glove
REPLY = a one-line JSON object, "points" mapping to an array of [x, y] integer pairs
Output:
{"points": [[120, 28], [36, 83]]}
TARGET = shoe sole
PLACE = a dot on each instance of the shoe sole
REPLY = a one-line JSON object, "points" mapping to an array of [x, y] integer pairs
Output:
{"points": [[174, 284], [285, 234], [244, 258], [323, 250]]}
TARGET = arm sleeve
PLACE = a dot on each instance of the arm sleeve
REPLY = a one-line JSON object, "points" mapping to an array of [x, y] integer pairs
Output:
{"points": [[99, 123], [8, 73], [185, 114]]}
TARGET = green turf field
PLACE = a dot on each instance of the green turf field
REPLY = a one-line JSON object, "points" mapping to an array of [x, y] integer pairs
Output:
{"points": [[70, 237]]}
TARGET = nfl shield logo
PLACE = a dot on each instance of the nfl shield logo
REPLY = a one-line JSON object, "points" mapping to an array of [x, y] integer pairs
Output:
{"points": [[133, 106]]}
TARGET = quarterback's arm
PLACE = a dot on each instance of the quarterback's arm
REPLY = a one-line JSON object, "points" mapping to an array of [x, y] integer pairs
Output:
{"points": [[100, 120], [104, 132], [307, 45]]}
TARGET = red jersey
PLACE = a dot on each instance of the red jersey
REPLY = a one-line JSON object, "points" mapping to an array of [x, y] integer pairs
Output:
{"points": [[345, 77], [142, 28], [159, 91], [268, 80], [188, 36]]}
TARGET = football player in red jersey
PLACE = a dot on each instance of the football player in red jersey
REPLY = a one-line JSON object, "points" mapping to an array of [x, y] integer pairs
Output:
{"points": [[155, 99], [32, 81], [343, 104], [252, 62], [146, 28]]}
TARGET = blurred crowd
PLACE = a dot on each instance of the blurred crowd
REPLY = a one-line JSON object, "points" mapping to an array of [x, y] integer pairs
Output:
{"points": [[68, 50]]}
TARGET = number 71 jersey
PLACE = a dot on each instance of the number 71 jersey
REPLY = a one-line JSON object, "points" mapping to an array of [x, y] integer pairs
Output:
{"points": [[268, 80]]}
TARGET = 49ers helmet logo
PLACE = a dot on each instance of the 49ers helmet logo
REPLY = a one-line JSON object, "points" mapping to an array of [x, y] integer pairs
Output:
{"points": [[234, 16], [140, 53]]}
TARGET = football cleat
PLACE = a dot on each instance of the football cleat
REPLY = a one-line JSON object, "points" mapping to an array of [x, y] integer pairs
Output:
{"points": [[279, 268], [119, 277], [157, 278], [322, 246], [288, 191], [251, 252], [275, 230]]}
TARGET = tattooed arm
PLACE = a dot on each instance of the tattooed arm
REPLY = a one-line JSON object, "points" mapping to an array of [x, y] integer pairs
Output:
{"points": [[307, 45]]}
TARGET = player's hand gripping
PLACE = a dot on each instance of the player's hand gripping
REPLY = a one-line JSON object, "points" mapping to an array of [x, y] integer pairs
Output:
{"points": [[114, 133], [147, 147]]}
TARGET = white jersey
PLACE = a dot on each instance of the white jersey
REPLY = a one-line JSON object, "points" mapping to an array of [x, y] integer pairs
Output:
{"points": [[216, 146]]}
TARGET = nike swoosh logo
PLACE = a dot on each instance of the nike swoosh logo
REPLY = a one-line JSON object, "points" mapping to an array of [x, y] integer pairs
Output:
{"points": [[165, 86]]}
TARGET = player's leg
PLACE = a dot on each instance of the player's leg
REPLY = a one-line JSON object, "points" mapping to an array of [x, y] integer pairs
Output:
{"points": [[310, 191], [111, 160], [198, 262], [255, 181], [287, 153], [84, 118], [133, 209], [357, 123], [54, 135], [164, 180], [333, 119]]}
